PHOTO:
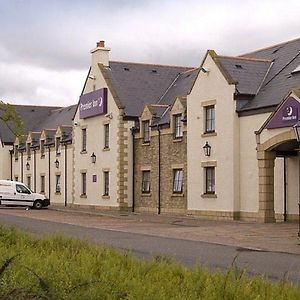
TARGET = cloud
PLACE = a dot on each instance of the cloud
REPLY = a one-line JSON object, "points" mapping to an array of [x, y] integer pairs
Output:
{"points": [[49, 41]]}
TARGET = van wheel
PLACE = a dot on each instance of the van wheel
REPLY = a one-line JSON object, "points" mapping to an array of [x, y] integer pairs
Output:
{"points": [[37, 204]]}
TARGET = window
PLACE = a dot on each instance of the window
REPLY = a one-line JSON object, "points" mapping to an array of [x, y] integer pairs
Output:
{"points": [[57, 145], [209, 180], [22, 189], [177, 180], [16, 152], [16, 178], [83, 184], [177, 126], [146, 182], [28, 150], [57, 184], [42, 148], [29, 181], [146, 131], [210, 119], [42, 183], [106, 183], [83, 139], [106, 136]]}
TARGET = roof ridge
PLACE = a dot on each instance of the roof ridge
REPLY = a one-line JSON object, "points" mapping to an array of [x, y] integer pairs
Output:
{"points": [[148, 64], [159, 105], [245, 58], [272, 46], [30, 105]]}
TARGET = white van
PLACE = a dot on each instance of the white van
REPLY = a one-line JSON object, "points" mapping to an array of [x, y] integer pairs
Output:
{"points": [[17, 193]]}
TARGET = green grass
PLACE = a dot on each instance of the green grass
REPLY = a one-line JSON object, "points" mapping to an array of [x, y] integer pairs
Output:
{"points": [[62, 268]]}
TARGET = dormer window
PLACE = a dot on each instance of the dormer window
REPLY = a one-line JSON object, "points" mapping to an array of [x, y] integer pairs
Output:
{"points": [[146, 131], [42, 148], [57, 145], [177, 126], [28, 150], [16, 148]]}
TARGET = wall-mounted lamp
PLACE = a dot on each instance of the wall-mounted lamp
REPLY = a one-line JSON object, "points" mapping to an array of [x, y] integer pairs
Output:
{"points": [[207, 149], [93, 158], [27, 166], [205, 70], [109, 115], [56, 164]]}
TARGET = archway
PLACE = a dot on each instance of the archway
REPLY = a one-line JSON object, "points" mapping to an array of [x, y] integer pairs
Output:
{"points": [[280, 144]]}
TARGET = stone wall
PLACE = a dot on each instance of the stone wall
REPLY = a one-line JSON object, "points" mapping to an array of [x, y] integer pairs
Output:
{"points": [[173, 156]]}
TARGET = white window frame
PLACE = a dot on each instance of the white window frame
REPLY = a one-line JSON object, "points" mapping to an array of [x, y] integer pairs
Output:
{"points": [[177, 181], [146, 181], [177, 125]]}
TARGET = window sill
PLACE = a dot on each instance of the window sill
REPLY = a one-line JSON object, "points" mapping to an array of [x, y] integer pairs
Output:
{"points": [[83, 152], [105, 197], [209, 196], [83, 196], [177, 195], [57, 193], [146, 194], [28, 158], [177, 139], [206, 134], [57, 154], [146, 143], [42, 156], [106, 149]]}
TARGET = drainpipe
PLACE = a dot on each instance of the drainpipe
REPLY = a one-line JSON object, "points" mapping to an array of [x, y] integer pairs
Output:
{"points": [[159, 170], [34, 161], [66, 183], [11, 154], [133, 168], [285, 190], [22, 168], [49, 180]]}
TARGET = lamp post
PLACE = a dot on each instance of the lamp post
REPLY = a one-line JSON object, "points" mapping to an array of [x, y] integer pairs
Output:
{"points": [[297, 133], [207, 149]]}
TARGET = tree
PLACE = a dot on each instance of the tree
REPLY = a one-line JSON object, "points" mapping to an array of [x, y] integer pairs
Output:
{"points": [[11, 118]]}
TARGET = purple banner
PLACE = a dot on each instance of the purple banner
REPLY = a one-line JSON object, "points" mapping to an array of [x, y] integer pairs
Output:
{"points": [[286, 116], [93, 104]]}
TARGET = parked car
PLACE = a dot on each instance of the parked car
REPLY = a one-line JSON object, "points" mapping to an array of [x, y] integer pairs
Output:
{"points": [[18, 194]]}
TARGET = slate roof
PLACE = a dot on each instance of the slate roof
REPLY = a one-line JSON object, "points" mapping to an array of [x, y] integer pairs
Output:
{"points": [[139, 84], [246, 72], [280, 79], [37, 118]]}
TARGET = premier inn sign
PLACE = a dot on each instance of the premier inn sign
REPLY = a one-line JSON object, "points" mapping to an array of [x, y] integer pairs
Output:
{"points": [[93, 104], [287, 114]]}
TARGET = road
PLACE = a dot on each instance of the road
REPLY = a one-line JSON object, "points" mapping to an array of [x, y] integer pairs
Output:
{"points": [[274, 265]]}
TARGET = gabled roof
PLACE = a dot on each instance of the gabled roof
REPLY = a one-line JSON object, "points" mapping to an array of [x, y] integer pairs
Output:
{"points": [[36, 118], [138, 84], [279, 80], [248, 73]]}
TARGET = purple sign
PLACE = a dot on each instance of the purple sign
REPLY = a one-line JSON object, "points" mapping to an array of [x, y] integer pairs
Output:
{"points": [[286, 115], [93, 104]]}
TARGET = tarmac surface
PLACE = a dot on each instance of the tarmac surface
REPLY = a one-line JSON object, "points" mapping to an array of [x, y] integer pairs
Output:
{"points": [[273, 237]]}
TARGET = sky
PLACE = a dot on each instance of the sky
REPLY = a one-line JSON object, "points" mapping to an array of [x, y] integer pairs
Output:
{"points": [[45, 44]]}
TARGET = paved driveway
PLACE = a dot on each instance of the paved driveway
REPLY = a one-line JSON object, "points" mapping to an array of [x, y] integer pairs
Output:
{"points": [[279, 237]]}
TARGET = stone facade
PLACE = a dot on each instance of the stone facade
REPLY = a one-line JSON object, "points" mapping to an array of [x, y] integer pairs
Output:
{"points": [[173, 156]]}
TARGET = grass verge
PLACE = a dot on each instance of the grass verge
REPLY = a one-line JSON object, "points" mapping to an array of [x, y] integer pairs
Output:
{"points": [[62, 268]]}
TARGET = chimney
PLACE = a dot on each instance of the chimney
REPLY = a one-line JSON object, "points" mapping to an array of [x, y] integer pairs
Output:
{"points": [[100, 54]]}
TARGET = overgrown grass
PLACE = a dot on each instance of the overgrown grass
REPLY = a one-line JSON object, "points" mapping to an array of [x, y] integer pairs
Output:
{"points": [[63, 268]]}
